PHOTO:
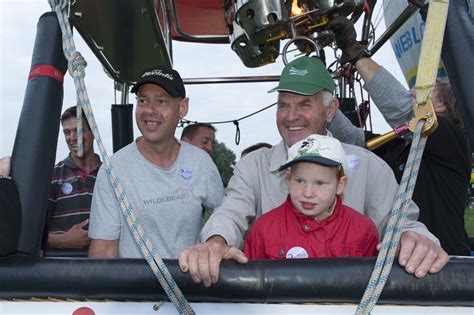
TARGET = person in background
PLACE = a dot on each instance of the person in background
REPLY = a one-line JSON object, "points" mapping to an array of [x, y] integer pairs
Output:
{"points": [[255, 147], [200, 135], [72, 185], [316, 180], [167, 181], [444, 174], [305, 105], [10, 210]]}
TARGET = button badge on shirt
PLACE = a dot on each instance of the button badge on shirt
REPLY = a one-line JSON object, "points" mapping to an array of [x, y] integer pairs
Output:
{"points": [[352, 161], [186, 172], [296, 253], [66, 188]]}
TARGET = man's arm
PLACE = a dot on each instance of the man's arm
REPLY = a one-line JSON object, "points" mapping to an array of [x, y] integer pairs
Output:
{"points": [[5, 166], [391, 97], [231, 220], [214, 188], [393, 100], [419, 250], [343, 130], [420, 255], [367, 68], [203, 260], [104, 220], [103, 249], [75, 237], [223, 233]]}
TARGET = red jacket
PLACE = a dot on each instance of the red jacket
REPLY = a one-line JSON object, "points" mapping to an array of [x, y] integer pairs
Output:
{"points": [[286, 233]]}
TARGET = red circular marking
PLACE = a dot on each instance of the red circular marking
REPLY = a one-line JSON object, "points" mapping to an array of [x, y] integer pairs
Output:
{"points": [[83, 311]]}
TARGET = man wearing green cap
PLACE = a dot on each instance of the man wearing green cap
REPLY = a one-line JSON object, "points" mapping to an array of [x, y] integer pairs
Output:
{"points": [[305, 105]]}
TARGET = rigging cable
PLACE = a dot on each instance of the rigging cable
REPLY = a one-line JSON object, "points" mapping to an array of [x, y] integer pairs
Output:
{"points": [[379, 17], [183, 121], [425, 81], [393, 231]]}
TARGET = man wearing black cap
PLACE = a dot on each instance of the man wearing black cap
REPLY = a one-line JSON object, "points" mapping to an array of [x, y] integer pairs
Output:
{"points": [[168, 182]]}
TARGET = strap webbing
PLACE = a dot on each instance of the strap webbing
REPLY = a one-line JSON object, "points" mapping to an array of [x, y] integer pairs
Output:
{"points": [[431, 49]]}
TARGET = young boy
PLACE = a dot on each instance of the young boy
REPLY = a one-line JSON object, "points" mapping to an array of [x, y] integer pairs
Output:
{"points": [[313, 222]]}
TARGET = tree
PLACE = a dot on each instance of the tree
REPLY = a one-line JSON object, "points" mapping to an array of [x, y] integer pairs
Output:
{"points": [[224, 158]]}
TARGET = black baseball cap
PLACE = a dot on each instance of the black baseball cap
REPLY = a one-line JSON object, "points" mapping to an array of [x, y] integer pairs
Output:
{"points": [[167, 78]]}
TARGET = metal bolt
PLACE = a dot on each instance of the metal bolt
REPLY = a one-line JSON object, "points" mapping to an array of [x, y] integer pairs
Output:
{"points": [[78, 14]]}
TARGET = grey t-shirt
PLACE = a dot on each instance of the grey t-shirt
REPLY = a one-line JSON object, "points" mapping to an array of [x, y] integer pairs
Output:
{"points": [[167, 201]]}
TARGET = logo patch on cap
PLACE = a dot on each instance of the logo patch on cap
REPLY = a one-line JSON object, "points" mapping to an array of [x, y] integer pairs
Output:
{"points": [[167, 78], [294, 71], [158, 73], [319, 149], [305, 76]]}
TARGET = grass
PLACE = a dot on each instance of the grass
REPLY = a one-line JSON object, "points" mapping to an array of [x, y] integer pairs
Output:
{"points": [[469, 221]]}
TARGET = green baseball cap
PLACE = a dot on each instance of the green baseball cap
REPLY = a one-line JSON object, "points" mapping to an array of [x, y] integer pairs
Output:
{"points": [[305, 76]]}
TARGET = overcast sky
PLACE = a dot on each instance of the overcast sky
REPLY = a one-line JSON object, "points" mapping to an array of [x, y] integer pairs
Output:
{"points": [[18, 20]]}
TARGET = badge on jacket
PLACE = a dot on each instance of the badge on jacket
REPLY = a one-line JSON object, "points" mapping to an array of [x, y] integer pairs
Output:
{"points": [[296, 253]]}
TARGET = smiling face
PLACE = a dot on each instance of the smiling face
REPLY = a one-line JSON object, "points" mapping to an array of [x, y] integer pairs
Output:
{"points": [[157, 113], [313, 188], [299, 116], [70, 134]]}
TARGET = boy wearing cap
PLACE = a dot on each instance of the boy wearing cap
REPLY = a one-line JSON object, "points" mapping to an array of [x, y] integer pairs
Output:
{"points": [[313, 222], [168, 182]]}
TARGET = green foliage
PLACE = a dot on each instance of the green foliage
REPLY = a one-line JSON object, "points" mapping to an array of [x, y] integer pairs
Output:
{"points": [[469, 221], [224, 158]]}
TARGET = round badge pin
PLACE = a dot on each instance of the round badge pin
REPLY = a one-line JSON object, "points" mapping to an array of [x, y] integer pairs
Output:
{"points": [[352, 161], [66, 188], [297, 253], [186, 173]]}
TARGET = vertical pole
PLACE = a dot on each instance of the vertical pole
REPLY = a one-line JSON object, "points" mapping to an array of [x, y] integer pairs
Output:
{"points": [[122, 121], [34, 150]]}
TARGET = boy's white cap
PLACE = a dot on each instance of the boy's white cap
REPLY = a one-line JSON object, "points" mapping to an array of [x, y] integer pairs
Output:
{"points": [[322, 150]]}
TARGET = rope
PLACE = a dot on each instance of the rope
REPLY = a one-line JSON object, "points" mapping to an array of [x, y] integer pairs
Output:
{"points": [[393, 230], [76, 69], [183, 121]]}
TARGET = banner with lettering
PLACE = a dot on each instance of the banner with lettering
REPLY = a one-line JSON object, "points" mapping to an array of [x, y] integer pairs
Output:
{"points": [[406, 42]]}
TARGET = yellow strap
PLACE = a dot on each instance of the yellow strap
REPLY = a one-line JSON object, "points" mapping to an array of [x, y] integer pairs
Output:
{"points": [[428, 66]]}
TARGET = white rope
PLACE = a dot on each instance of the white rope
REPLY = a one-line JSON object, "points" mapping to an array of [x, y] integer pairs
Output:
{"points": [[76, 69], [393, 230]]}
